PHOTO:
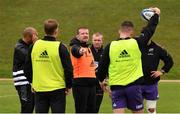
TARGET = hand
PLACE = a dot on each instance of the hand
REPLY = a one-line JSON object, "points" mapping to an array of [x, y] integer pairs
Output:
{"points": [[110, 93], [102, 86], [108, 90], [156, 74], [67, 91], [105, 83], [32, 89], [82, 51], [156, 10]]}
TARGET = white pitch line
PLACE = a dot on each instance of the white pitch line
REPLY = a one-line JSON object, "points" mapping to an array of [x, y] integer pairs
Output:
{"points": [[5, 79], [7, 96], [177, 81]]}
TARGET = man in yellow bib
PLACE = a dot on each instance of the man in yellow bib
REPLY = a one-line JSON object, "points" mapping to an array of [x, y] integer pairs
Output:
{"points": [[121, 60], [52, 71]]}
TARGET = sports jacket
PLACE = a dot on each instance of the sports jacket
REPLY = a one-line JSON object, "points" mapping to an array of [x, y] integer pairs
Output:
{"points": [[20, 53], [151, 56], [97, 54]]}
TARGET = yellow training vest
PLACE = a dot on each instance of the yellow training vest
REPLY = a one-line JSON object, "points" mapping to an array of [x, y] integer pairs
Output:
{"points": [[48, 73], [125, 62]]}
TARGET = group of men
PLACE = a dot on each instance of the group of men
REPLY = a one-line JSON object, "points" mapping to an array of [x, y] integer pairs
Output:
{"points": [[47, 71]]}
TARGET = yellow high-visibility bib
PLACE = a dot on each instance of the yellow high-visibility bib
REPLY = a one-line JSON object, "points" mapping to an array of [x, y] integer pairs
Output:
{"points": [[48, 72], [125, 62]]}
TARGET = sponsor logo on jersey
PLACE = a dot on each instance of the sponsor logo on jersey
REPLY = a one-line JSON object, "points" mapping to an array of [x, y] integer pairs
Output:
{"points": [[124, 54], [44, 54], [151, 51]]}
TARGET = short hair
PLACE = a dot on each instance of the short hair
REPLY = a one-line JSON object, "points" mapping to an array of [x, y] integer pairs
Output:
{"points": [[28, 31], [81, 28], [126, 26], [50, 26], [97, 34]]}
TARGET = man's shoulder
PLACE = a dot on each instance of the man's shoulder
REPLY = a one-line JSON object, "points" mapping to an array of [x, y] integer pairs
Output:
{"points": [[19, 45], [63, 47]]}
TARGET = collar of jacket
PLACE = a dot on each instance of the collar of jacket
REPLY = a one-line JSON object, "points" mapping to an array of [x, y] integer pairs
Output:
{"points": [[100, 49], [77, 42], [24, 43], [123, 38], [49, 38]]}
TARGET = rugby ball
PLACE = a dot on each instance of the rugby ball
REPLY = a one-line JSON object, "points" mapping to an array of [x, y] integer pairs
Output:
{"points": [[146, 14]]}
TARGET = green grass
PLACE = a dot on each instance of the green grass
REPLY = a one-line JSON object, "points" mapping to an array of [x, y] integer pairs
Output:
{"points": [[99, 15], [168, 102]]}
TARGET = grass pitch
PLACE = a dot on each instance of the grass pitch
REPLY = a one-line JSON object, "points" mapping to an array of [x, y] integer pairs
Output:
{"points": [[168, 102]]}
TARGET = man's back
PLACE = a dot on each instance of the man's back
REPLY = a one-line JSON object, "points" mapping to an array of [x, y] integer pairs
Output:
{"points": [[45, 56], [125, 62]]}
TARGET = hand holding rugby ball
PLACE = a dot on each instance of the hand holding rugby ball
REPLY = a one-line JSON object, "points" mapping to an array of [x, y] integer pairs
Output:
{"points": [[147, 13]]}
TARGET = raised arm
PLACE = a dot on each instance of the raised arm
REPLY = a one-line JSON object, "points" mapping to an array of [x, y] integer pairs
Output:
{"points": [[149, 30]]}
